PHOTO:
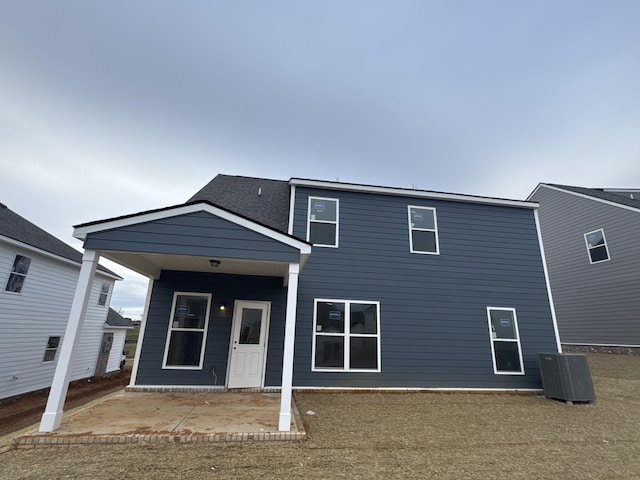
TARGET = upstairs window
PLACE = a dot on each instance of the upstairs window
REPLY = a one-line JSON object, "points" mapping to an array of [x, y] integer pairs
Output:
{"points": [[322, 222], [423, 230], [52, 348], [18, 274], [596, 246], [505, 341], [346, 336], [187, 331], [104, 293]]}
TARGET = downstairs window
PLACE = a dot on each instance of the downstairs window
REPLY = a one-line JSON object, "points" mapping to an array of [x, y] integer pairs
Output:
{"points": [[187, 331], [505, 341], [346, 336]]}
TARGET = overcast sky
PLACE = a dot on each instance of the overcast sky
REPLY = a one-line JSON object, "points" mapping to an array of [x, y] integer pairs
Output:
{"points": [[110, 108]]}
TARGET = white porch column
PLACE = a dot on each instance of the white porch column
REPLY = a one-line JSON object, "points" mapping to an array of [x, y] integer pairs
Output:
{"points": [[284, 424], [53, 412]]}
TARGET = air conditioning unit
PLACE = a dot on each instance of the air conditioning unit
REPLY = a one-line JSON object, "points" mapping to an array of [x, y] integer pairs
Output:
{"points": [[566, 376]]}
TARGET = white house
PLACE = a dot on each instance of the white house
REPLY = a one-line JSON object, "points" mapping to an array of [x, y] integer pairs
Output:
{"points": [[38, 276]]}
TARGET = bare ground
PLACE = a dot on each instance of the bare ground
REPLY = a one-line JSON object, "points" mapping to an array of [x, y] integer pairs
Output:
{"points": [[426, 435]]}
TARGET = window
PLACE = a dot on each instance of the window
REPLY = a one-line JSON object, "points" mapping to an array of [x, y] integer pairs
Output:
{"points": [[596, 246], [505, 341], [346, 336], [187, 330], [423, 230], [104, 293], [18, 274], [322, 222], [52, 348]]}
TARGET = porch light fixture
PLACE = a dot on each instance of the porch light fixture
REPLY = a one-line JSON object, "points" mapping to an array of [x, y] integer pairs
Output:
{"points": [[214, 263], [222, 307]]}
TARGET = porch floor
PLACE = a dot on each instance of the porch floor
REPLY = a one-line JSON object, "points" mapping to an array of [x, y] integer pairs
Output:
{"points": [[134, 417]]}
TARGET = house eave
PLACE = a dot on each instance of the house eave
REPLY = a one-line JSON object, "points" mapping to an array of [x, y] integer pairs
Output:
{"points": [[407, 192]]}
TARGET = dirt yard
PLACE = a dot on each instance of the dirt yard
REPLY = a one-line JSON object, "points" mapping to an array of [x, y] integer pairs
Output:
{"points": [[375, 436]]}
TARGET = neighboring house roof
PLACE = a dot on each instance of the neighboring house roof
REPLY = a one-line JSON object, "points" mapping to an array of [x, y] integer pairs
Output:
{"points": [[263, 200], [621, 196], [21, 230], [114, 319]]}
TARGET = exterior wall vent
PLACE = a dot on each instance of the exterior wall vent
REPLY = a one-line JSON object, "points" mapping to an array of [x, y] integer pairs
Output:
{"points": [[566, 377]]}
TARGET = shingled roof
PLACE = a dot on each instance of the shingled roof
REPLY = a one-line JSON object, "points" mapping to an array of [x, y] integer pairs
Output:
{"points": [[264, 200], [17, 228], [608, 194], [114, 319]]}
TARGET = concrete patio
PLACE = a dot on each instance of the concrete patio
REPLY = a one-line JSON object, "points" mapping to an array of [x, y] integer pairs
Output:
{"points": [[133, 417]]}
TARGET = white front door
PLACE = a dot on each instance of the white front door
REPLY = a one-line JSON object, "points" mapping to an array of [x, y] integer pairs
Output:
{"points": [[248, 344]]}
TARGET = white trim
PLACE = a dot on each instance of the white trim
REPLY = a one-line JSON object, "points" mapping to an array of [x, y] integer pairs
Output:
{"points": [[346, 335], [170, 329], [582, 195], [336, 222], [456, 197], [418, 389], [606, 247], [44, 253], [434, 230], [264, 336], [547, 281], [52, 416], [292, 199], [143, 327], [508, 340], [284, 418], [80, 232]]}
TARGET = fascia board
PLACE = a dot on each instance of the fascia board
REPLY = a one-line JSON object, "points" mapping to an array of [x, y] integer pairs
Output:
{"points": [[405, 192]]}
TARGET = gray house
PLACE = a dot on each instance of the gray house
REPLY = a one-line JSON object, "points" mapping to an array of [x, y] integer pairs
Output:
{"points": [[269, 284], [593, 256]]}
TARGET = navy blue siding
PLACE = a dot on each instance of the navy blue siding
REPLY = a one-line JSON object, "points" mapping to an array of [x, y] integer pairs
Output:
{"points": [[224, 288], [201, 234], [434, 329]]}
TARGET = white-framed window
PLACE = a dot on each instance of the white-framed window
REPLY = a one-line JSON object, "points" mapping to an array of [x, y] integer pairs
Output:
{"points": [[596, 246], [346, 336], [423, 230], [322, 222], [51, 349], [18, 274], [505, 341], [187, 331], [104, 293]]}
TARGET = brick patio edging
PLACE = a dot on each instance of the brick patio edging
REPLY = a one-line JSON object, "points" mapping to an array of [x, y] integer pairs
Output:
{"points": [[34, 441]]}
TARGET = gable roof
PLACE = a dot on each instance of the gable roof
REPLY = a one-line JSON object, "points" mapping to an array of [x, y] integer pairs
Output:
{"points": [[114, 319], [263, 200], [17, 228], [623, 197]]}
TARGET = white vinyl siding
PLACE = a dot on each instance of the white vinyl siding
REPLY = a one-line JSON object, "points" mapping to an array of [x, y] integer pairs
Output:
{"points": [[39, 312]]}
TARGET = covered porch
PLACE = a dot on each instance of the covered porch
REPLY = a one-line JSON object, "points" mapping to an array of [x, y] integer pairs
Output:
{"points": [[220, 308]]}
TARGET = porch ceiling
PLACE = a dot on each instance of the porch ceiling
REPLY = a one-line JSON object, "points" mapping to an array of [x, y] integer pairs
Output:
{"points": [[150, 264]]}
